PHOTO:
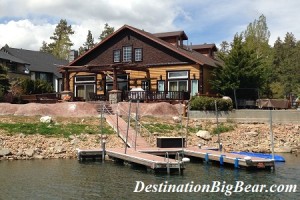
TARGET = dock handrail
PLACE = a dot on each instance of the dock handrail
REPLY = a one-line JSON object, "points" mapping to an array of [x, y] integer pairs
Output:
{"points": [[168, 162], [140, 125]]}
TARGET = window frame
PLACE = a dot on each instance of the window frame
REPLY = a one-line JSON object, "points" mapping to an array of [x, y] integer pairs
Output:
{"points": [[91, 81], [178, 77], [135, 54], [124, 52], [114, 55]]}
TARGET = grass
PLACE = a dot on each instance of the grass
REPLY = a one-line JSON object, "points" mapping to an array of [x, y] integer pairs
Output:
{"points": [[167, 128], [64, 127], [222, 128]]}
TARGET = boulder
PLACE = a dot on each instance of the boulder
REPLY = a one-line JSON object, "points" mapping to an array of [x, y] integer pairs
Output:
{"points": [[46, 119], [38, 157], [59, 149], [176, 119], [204, 135], [29, 152], [251, 133], [4, 152]]}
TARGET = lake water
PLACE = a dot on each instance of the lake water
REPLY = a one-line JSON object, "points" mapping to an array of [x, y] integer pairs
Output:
{"points": [[69, 179]]}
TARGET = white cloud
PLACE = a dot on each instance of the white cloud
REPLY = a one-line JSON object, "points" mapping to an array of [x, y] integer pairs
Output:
{"points": [[25, 24]]}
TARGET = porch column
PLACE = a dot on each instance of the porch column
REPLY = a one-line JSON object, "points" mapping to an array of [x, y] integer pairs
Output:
{"points": [[148, 78], [115, 95], [67, 81], [115, 81]]}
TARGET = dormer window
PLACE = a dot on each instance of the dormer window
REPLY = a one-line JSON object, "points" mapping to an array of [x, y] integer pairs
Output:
{"points": [[127, 53]]}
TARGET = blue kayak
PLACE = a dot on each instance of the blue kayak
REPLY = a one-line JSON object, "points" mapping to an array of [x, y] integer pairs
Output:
{"points": [[277, 158]]}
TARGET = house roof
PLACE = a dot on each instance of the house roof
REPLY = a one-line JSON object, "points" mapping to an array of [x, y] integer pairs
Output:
{"points": [[204, 46], [171, 34], [39, 61], [8, 57], [192, 55]]}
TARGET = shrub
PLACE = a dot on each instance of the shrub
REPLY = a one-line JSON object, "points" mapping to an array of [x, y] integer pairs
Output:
{"points": [[222, 129], [35, 87], [208, 104]]}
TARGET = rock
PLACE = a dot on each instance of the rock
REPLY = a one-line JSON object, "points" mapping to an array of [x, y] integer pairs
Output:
{"points": [[19, 153], [284, 149], [72, 137], [4, 152], [251, 133], [176, 119], [46, 119], [29, 152], [38, 157], [204, 135], [74, 141], [59, 149]]}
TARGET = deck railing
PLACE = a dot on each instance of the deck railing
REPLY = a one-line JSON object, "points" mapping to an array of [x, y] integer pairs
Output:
{"points": [[155, 95]]}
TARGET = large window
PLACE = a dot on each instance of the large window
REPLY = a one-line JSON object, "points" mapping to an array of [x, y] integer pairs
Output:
{"points": [[44, 76], [127, 54], [138, 54], [122, 82], [178, 80], [84, 85], [180, 85], [117, 56]]}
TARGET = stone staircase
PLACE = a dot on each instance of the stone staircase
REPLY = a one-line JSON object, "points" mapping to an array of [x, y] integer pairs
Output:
{"points": [[107, 109]]}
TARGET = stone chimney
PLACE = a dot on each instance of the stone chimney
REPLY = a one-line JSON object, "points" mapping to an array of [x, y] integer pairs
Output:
{"points": [[73, 54]]}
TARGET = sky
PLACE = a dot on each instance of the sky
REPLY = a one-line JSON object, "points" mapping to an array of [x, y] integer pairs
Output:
{"points": [[27, 23]]}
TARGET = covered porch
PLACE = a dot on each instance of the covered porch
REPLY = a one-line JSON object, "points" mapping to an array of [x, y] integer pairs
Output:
{"points": [[117, 82]]}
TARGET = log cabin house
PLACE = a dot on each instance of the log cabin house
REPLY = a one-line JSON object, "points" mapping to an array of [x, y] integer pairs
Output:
{"points": [[139, 65]]}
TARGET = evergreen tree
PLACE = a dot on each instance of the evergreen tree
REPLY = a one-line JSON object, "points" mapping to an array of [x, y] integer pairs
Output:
{"points": [[257, 40], [61, 45], [242, 69], [45, 47], [4, 81], [89, 43], [106, 32], [286, 66]]}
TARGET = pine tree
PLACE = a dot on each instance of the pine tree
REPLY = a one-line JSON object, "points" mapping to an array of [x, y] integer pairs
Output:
{"points": [[242, 69], [286, 66], [106, 32], [4, 81], [61, 45], [89, 43]]}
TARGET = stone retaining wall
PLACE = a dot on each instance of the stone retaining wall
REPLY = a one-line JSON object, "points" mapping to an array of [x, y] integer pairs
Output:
{"points": [[250, 116]]}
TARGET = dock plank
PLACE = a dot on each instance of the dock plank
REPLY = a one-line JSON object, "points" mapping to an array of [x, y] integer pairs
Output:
{"points": [[149, 160]]}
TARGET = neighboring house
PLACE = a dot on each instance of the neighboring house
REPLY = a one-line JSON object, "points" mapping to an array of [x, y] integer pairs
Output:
{"points": [[16, 67], [41, 65], [131, 57]]}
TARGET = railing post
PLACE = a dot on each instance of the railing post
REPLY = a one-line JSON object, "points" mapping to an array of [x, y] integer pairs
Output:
{"points": [[128, 123]]}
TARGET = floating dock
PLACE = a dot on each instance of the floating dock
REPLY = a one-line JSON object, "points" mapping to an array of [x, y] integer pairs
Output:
{"points": [[236, 160], [157, 163], [159, 159]]}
